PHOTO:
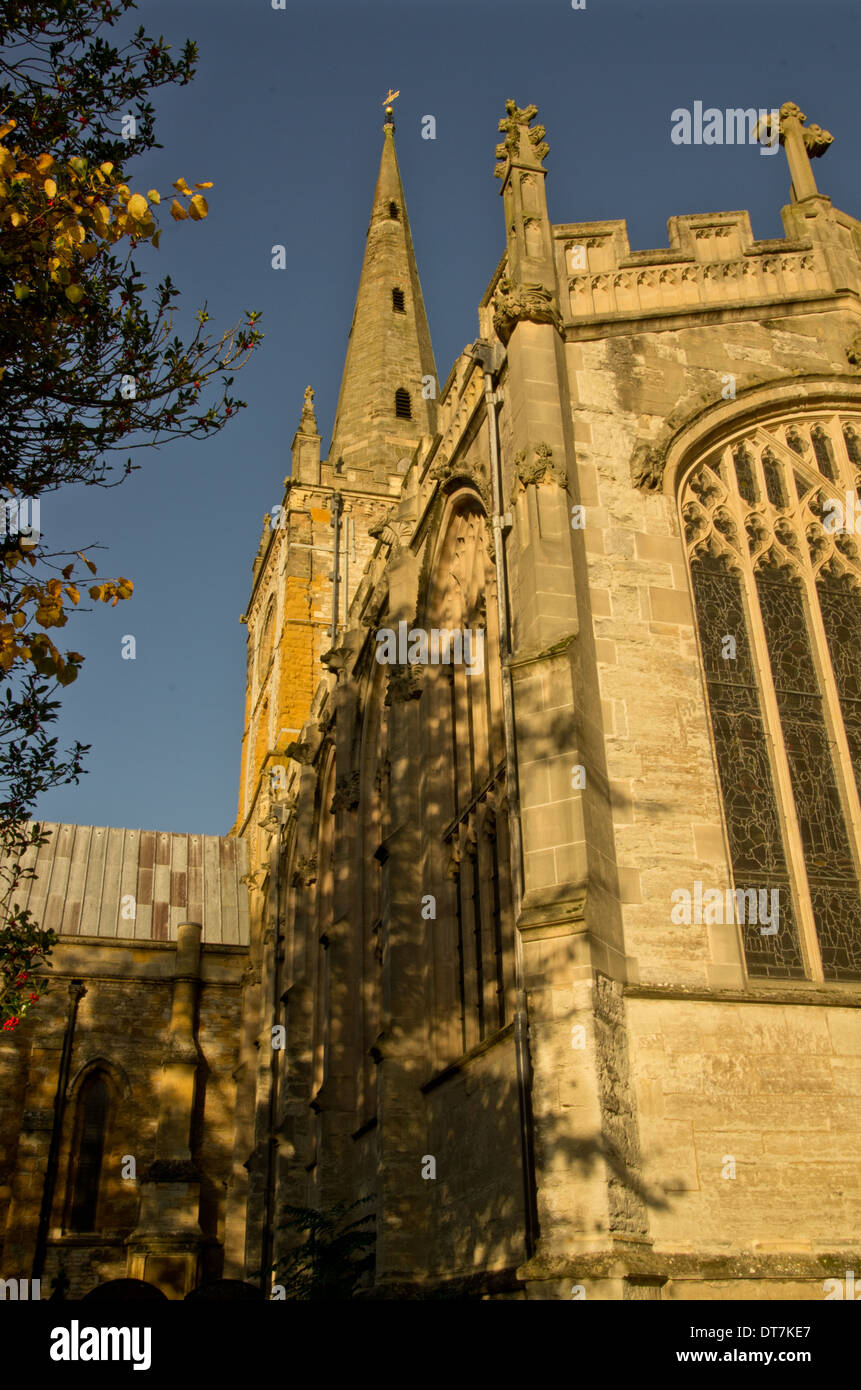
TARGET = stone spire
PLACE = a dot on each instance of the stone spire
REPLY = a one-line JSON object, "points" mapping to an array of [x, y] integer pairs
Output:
{"points": [[382, 413]]}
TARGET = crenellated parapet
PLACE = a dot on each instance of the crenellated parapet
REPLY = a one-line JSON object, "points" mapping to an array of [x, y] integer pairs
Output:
{"points": [[712, 261]]}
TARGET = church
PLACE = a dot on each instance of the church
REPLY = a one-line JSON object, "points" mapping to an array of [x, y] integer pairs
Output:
{"points": [[549, 962]]}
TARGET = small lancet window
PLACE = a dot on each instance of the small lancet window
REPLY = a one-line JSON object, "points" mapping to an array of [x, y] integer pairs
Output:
{"points": [[403, 407], [822, 450], [743, 462], [394, 212], [853, 444], [88, 1151], [398, 302]]}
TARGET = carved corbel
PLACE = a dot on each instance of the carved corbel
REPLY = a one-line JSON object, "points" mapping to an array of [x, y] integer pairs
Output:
{"points": [[515, 304], [536, 465], [305, 871], [404, 684], [300, 752], [347, 789], [647, 467]]}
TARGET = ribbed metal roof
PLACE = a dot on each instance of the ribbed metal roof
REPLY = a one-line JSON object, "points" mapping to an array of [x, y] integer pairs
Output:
{"points": [[85, 872]]}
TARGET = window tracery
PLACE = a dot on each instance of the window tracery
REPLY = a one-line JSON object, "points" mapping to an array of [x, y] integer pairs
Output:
{"points": [[786, 705], [474, 962]]}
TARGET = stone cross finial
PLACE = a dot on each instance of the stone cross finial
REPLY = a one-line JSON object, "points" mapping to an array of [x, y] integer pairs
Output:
{"points": [[517, 120], [802, 143], [308, 423]]}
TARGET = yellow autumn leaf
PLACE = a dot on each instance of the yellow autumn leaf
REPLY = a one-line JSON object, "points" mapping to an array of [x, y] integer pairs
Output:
{"points": [[16, 218], [181, 186], [6, 127], [89, 250], [156, 239], [106, 168], [20, 620], [198, 207], [74, 592], [74, 294], [7, 162], [21, 291], [95, 591], [44, 163], [177, 211], [89, 564], [153, 195], [50, 188], [203, 185], [137, 206]]}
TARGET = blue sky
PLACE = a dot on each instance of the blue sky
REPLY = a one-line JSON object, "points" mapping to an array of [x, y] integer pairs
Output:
{"points": [[285, 118]]}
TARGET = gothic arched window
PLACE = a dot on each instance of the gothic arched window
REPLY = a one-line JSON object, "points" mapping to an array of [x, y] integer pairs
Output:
{"points": [[267, 641], [467, 812], [88, 1146], [374, 816], [776, 574]]}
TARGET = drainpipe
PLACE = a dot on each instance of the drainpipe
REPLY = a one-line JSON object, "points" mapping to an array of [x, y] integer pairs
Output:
{"points": [[77, 990], [337, 504], [486, 356], [268, 1241]]}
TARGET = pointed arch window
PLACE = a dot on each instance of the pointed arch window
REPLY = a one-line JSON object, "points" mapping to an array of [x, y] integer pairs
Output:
{"points": [[88, 1147], [473, 934], [267, 641], [777, 596], [394, 211]]}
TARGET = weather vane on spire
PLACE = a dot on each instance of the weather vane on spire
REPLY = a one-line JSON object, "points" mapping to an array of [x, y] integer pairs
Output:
{"points": [[387, 102]]}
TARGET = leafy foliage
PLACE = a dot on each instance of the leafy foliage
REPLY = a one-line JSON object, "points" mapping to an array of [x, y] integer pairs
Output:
{"points": [[87, 367], [334, 1254]]}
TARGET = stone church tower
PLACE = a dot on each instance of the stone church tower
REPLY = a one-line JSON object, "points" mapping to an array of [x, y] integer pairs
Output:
{"points": [[539, 927]]}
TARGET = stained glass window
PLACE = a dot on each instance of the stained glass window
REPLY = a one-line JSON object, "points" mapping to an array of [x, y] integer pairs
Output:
{"points": [[771, 467], [474, 834], [853, 444], [786, 709], [822, 450], [744, 473], [753, 822]]}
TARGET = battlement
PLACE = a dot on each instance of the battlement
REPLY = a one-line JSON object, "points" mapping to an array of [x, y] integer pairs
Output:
{"points": [[713, 260]]}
